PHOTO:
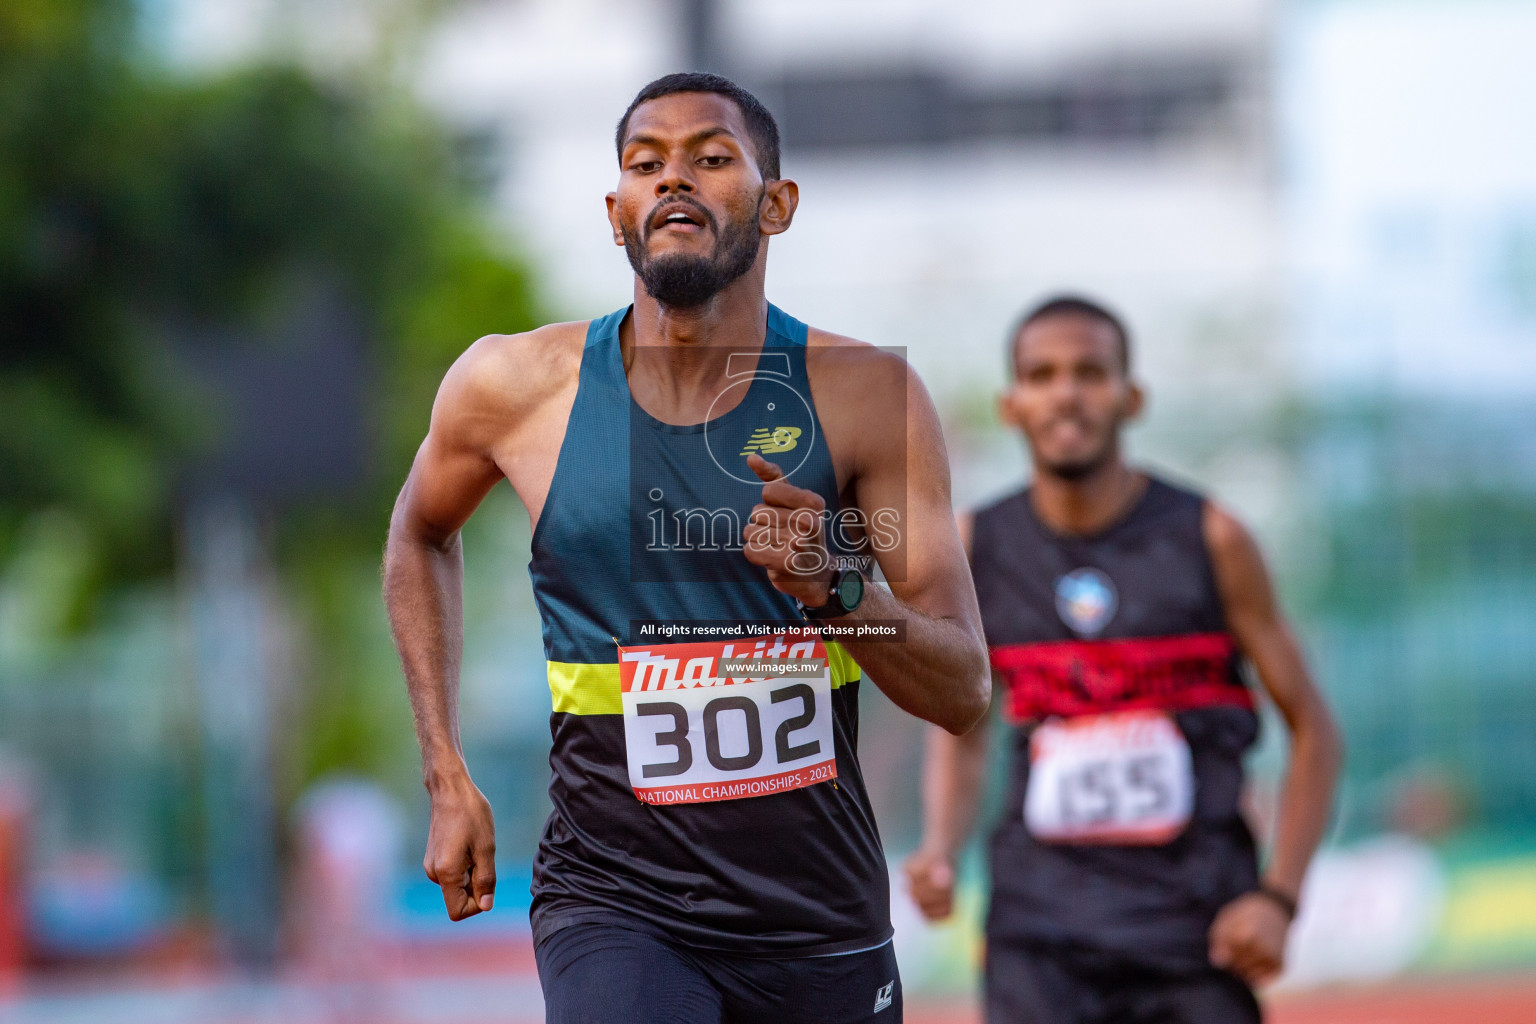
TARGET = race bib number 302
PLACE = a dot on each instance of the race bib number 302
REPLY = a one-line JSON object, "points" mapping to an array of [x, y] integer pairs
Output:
{"points": [[702, 724], [1123, 778]]}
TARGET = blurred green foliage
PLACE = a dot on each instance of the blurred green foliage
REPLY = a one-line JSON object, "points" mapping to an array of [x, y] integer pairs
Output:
{"points": [[137, 204]]}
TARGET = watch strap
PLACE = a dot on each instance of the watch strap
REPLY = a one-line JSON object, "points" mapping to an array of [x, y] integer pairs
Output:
{"points": [[1280, 899], [834, 607]]}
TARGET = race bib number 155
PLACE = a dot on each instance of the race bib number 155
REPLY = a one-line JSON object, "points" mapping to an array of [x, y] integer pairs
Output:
{"points": [[1123, 778], [697, 732]]}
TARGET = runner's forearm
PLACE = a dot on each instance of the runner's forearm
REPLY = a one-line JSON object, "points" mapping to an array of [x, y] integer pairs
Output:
{"points": [[954, 770], [1306, 798], [939, 673], [1262, 634], [423, 590]]}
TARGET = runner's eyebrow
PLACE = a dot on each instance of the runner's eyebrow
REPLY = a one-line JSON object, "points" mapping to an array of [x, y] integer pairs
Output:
{"points": [[702, 135]]}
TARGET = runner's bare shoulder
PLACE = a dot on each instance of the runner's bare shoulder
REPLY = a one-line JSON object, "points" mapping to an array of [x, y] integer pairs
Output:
{"points": [[504, 380], [863, 394], [849, 371], [840, 362]]}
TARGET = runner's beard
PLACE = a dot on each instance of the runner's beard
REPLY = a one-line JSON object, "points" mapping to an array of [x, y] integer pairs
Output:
{"points": [[683, 281], [1073, 470]]}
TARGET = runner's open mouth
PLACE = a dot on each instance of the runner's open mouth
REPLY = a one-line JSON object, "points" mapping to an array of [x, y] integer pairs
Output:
{"points": [[678, 214]]}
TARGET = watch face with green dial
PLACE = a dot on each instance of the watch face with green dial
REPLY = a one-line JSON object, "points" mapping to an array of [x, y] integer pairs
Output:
{"points": [[849, 589]]}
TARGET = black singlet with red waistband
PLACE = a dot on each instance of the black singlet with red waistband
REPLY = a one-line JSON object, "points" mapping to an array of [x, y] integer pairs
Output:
{"points": [[1128, 618]]}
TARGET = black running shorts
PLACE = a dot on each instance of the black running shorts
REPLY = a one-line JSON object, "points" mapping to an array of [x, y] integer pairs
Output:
{"points": [[1040, 984], [603, 973]]}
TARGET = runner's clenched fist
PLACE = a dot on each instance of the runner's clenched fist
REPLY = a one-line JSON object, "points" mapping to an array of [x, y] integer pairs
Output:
{"points": [[785, 535]]}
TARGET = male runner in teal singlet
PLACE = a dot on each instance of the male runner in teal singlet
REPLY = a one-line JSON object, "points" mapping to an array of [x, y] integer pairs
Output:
{"points": [[1118, 607], [704, 474]]}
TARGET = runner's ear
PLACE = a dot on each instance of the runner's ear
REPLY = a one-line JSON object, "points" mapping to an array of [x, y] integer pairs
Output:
{"points": [[612, 199], [1135, 401], [1005, 412], [781, 197]]}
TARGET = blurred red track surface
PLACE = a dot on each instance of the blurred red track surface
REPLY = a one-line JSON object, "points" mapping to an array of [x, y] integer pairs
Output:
{"points": [[1495, 1000], [512, 997], [1498, 1000]]}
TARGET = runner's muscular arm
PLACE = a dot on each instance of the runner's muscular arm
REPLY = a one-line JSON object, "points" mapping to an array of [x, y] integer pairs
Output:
{"points": [[1248, 936], [939, 673], [423, 589], [954, 773]]}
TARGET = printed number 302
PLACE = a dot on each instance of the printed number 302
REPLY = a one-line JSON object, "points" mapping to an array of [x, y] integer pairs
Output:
{"points": [[678, 738]]}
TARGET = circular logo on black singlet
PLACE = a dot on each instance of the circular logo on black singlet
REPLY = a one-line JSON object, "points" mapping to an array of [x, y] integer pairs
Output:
{"points": [[1086, 600]]}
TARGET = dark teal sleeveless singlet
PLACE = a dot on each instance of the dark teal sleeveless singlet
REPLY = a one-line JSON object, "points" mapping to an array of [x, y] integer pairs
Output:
{"points": [[795, 873]]}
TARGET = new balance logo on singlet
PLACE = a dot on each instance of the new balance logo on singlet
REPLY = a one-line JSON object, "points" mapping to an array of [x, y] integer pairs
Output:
{"points": [[770, 442]]}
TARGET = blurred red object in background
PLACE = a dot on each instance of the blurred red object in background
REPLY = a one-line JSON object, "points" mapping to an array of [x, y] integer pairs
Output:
{"points": [[14, 807]]}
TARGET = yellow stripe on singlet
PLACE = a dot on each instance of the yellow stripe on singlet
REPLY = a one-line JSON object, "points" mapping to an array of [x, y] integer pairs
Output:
{"points": [[581, 689], [578, 689], [844, 668]]}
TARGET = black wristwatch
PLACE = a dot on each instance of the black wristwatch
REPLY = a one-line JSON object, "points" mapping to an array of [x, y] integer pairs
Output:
{"points": [[843, 596]]}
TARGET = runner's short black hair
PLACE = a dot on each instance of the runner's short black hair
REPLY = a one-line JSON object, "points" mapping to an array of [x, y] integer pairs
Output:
{"points": [[761, 126], [1070, 305]]}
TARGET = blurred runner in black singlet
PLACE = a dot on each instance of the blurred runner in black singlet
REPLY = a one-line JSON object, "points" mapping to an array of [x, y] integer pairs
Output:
{"points": [[1118, 609]]}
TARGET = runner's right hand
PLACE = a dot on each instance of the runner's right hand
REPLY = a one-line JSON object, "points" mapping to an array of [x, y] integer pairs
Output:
{"points": [[931, 880], [1248, 938], [461, 849]]}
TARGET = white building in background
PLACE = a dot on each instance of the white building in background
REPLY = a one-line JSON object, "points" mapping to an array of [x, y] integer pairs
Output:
{"points": [[1376, 233], [956, 162], [1410, 154]]}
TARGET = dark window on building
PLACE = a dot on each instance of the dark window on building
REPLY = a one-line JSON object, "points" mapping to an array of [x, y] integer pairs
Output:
{"points": [[1140, 104]]}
